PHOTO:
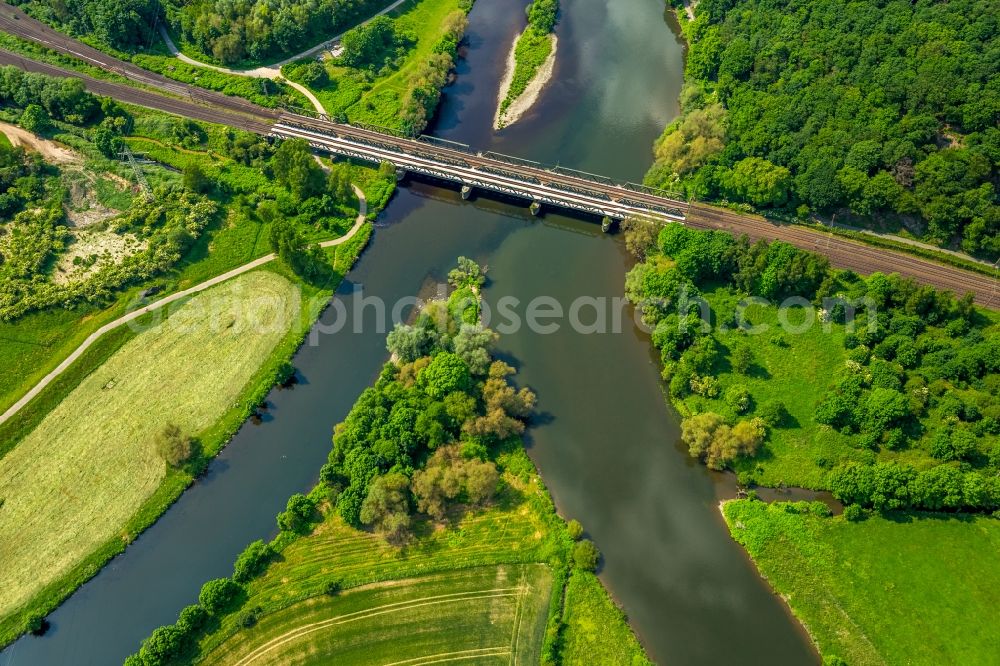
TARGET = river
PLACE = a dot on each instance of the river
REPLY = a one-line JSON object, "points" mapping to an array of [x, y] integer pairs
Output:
{"points": [[605, 441]]}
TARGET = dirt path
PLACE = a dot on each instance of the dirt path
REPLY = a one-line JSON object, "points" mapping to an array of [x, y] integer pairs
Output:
{"points": [[135, 314], [50, 150]]}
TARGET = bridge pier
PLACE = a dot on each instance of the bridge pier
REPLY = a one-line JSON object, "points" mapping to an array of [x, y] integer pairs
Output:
{"points": [[400, 174], [607, 223], [535, 208], [466, 192]]}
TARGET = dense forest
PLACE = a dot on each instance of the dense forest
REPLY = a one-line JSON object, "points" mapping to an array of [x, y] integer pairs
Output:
{"points": [[122, 24], [906, 415], [886, 109], [260, 30]]}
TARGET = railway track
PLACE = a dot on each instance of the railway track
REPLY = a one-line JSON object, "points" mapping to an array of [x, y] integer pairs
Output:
{"points": [[190, 101], [193, 105]]}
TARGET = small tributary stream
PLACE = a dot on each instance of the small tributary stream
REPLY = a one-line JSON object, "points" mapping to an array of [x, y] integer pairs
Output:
{"points": [[605, 441]]}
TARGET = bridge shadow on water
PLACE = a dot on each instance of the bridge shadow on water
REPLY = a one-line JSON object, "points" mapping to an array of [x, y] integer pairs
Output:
{"points": [[496, 203]]}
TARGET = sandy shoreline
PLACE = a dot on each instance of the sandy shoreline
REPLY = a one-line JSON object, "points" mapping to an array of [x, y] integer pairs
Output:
{"points": [[524, 102]]}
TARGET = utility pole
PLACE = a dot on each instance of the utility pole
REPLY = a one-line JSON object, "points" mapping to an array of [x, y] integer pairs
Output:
{"points": [[126, 156]]}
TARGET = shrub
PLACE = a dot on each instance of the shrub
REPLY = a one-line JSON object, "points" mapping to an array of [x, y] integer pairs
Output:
{"points": [[585, 555], [249, 617], [332, 587], [217, 594], [738, 397], [192, 618], [774, 413], [173, 445], [741, 359], [34, 119], [36, 624], [252, 561], [574, 529], [298, 513], [161, 646]]}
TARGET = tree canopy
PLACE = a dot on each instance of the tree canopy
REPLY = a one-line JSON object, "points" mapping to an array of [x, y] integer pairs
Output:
{"points": [[885, 108], [257, 30]]}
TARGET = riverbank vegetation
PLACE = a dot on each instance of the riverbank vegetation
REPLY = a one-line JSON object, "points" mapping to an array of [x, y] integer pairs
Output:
{"points": [[847, 580], [596, 630], [881, 390], [392, 69], [428, 499], [885, 115], [533, 52]]}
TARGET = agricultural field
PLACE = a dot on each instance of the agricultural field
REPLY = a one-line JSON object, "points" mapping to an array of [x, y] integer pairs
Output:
{"points": [[906, 589], [520, 527], [493, 614], [78, 478]]}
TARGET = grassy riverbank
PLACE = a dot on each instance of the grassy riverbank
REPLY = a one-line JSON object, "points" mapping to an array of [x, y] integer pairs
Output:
{"points": [[399, 88], [596, 631], [118, 497], [81, 477], [917, 588]]}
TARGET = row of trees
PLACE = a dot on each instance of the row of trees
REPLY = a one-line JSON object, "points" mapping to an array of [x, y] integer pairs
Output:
{"points": [[425, 83], [885, 108], [894, 486]]}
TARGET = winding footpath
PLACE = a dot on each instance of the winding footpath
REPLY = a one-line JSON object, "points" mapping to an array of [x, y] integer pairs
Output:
{"points": [[135, 314], [273, 72]]}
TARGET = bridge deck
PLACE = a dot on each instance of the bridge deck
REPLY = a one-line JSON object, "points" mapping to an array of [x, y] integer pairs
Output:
{"points": [[561, 188]]}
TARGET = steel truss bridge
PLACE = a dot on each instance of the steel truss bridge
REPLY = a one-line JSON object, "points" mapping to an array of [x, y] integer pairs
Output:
{"points": [[446, 160]]}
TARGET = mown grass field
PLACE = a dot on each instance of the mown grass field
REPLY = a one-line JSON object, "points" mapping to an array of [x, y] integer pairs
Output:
{"points": [[77, 478], [596, 631], [493, 614], [848, 582]]}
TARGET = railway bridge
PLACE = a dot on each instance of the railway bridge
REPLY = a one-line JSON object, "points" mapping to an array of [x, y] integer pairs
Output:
{"points": [[532, 181]]}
